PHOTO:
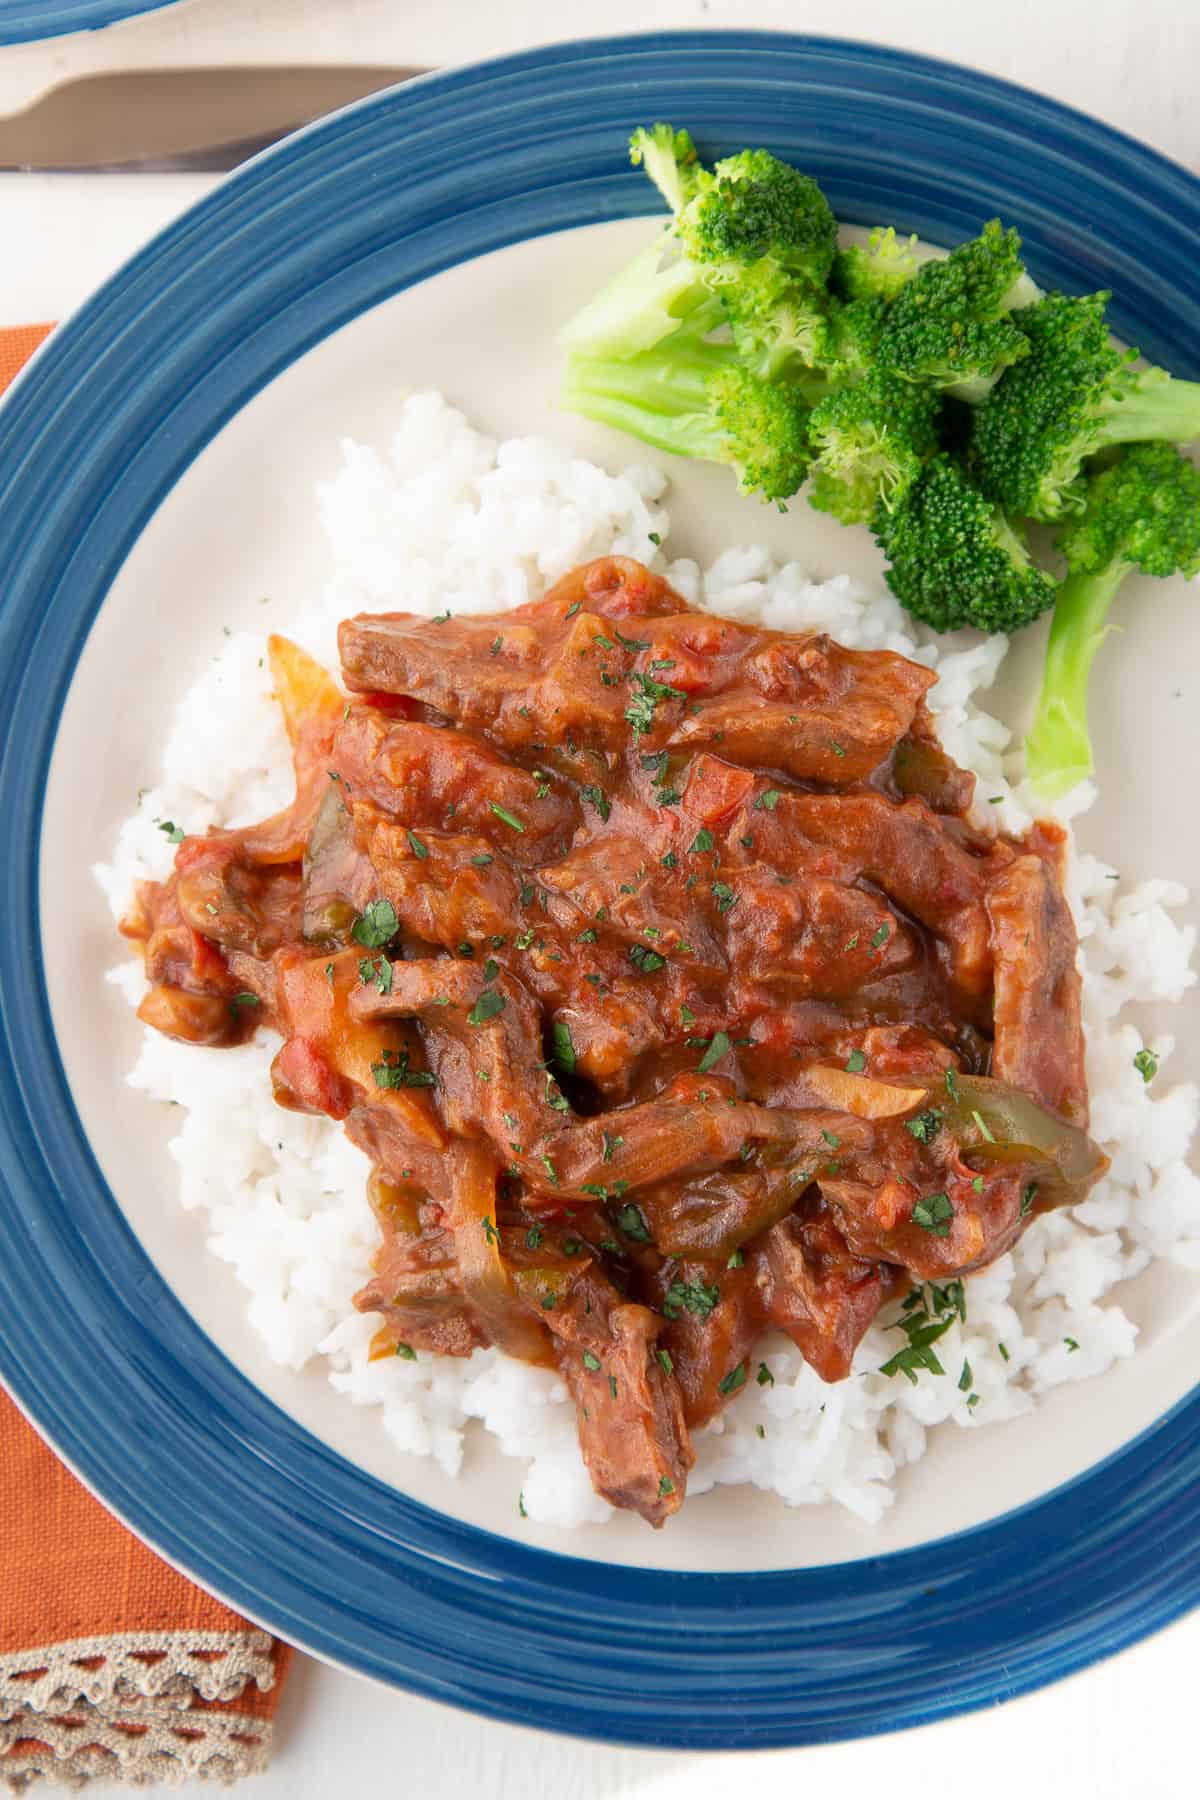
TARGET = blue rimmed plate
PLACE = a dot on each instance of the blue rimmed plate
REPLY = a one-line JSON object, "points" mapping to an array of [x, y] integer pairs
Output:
{"points": [[156, 469], [23, 20]]}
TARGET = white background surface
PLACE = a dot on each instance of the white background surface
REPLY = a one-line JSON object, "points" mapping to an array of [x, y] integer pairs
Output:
{"points": [[1122, 1730]]}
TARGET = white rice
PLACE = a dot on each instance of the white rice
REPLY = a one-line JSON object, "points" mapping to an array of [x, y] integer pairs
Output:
{"points": [[447, 518]]}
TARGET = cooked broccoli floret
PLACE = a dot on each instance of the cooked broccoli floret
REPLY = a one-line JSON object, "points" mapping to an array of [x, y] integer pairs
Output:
{"points": [[870, 442], [1073, 395], [876, 270], [1141, 512], [950, 324], [670, 160], [955, 559], [754, 232], [693, 397]]}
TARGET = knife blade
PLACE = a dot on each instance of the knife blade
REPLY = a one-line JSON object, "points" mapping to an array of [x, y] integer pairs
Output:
{"points": [[171, 120]]}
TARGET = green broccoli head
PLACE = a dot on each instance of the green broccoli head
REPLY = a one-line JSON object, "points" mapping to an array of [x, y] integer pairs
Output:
{"points": [[876, 270], [757, 207], [870, 443], [1139, 511], [955, 560], [1074, 394], [669, 158], [765, 430], [950, 326]]}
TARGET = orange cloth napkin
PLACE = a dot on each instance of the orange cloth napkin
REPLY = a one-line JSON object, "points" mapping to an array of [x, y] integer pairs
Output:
{"points": [[111, 1664]]}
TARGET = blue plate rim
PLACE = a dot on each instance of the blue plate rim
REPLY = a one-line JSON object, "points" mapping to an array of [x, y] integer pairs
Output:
{"points": [[24, 21], [501, 1588]]}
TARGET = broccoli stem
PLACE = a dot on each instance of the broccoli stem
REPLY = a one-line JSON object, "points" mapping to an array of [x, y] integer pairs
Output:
{"points": [[664, 401], [1158, 407], [1058, 748]]}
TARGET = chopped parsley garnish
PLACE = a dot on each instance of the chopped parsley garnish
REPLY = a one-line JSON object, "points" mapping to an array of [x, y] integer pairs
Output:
{"points": [[664, 1357], [564, 1049], [880, 937], [647, 961], [635, 644], [925, 1126], [489, 1005], [533, 1237], [850, 944], [632, 1221], [964, 1380], [735, 1379], [769, 801], [503, 813], [587, 937], [597, 798], [718, 1045], [521, 1506], [856, 1062], [831, 1140], [407, 1352], [482, 861], [665, 1486], [248, 999], [491, 969], [952, 1087], [764, 1376], [329, 973], [691, 1296], [590, 1361], [736, 1259], [611, 1144], [416, 846], [984, 1132], [701, 843], [640, 711], [1146, 1064], [1003, 1349], [495, 646], [576, 606], [724, 896], [378, 970], [933, 1214], [377, 926], [174, 833], [551, 1171], [655, 539], [1071, 1344], [392, 1071], [572, 1246], [687, 1016], [1027, 1200], [836, 748], [440, 618], [922, 1333], [669, 860]]}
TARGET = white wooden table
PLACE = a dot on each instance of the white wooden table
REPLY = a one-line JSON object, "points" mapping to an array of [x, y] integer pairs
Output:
{"points": [[1123, 1731]]}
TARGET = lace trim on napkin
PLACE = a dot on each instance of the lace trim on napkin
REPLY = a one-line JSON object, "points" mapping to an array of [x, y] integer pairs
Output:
{"points": [[160, 1746], [131, 1669]]}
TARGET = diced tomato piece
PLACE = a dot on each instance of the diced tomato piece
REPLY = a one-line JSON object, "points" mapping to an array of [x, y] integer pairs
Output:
{"points": [[715, 788], [208, 963], [304, 1081]]}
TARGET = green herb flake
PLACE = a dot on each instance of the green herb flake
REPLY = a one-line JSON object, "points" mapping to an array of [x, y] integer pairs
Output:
{"points": [[964, 1380], [831, 1140], [701, 843], [736, 1259], [933, 1214], [724, 896], [1071, 1344], [611, 1144], [482, 861], [533, 1237], [764, 1376], [243, 999], [696, 1297], [1027, 1200], [664, 1358], [377, 925], [952, 1087], [596, 796], [735, 1379], [665, 1486], [407, 1352], [719, 1045], [564, 1049], [983, 1128], [881, 937], [1146, 1064], [489, 1005], [495, 646], [591, 1362], [856, 1062], [632, 1221], [416, 846], [508, 818], [768, 801], [576, 606], [174, 833], [1003, 1349], [925, 1126]]}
